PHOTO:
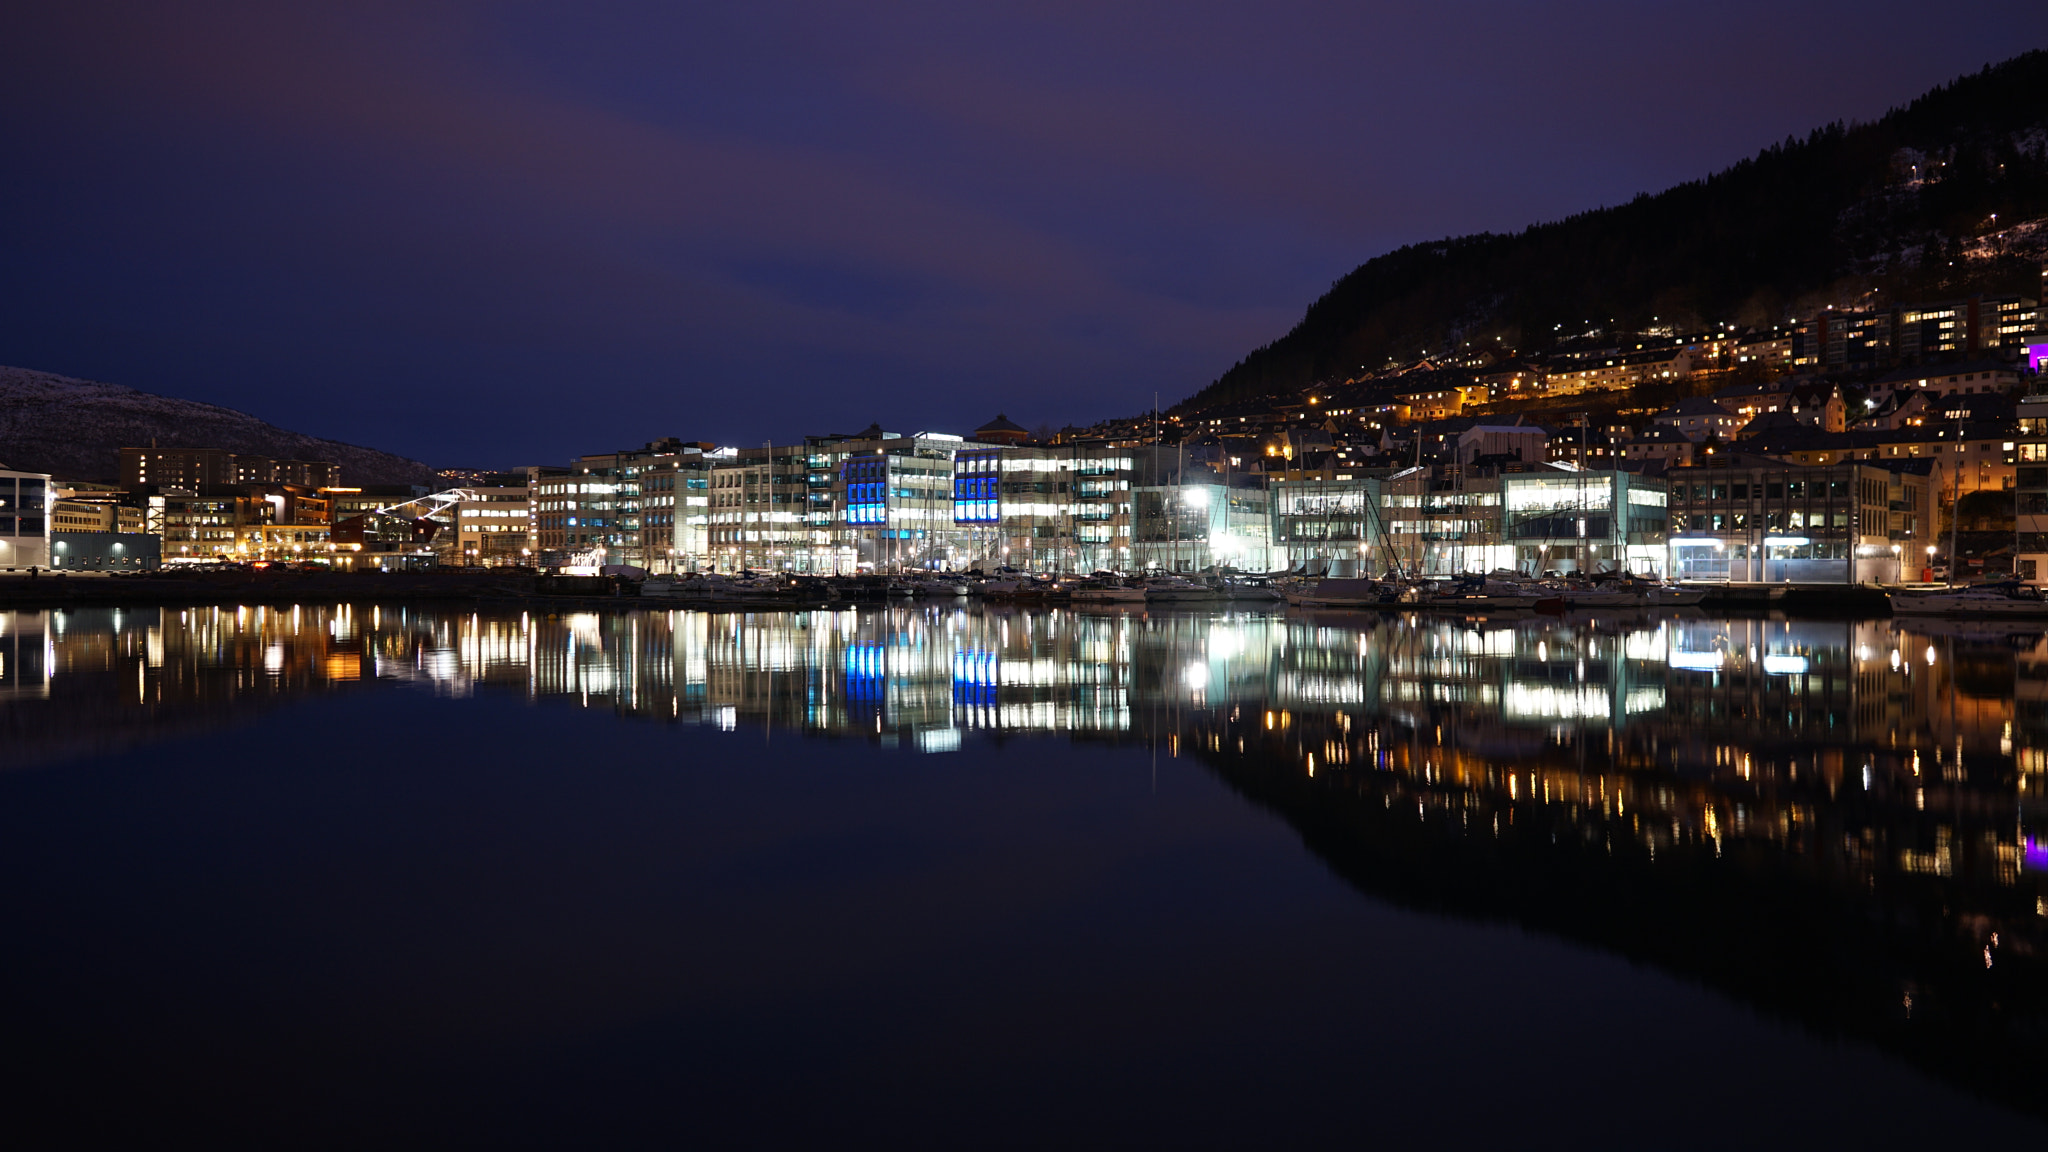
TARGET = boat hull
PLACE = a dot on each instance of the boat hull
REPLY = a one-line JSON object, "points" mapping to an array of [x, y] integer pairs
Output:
{"points": [[1970, 607]]}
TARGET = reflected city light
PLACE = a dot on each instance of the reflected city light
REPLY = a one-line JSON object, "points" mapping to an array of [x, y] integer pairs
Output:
{"points": [[1664, 777]]}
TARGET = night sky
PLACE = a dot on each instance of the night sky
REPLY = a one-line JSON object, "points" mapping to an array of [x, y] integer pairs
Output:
{"points": [[510, 233]]}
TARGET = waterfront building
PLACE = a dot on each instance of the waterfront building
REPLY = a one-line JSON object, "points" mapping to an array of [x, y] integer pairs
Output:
{"points": [[1063, 508], [589, 515], [24, 519], [1561, 519], [1743, 517], [838, 503], [386, 526], [245, 522], [492, 523], [348, 503], [1100, 505], [760, 511], [97, 551], [1328, 525], [1439, 521], [675, 507], [1187, 518], [894, 503], [97, 527], [80, 506]]}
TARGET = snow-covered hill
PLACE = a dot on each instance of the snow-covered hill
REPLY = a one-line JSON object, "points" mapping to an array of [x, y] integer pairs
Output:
{"points": [[73, 429]]}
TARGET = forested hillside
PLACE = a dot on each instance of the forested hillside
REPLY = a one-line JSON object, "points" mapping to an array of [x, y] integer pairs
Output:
{"points": [[1941, 197]]}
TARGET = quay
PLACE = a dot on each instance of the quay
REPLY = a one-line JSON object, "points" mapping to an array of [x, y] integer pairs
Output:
{"points": [[516, 587], [1812, 599]]}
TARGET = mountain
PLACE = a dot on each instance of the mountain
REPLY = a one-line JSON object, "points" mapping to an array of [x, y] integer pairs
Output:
{"points": [[73, 429], [1946, 196]]}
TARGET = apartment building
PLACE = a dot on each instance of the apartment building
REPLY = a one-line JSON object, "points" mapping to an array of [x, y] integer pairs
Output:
{"points": [[2030, 490], [1620, 370], [194, 468]]}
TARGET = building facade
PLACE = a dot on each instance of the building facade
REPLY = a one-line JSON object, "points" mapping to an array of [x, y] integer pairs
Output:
{"points": [[1752, 519], [1329, 526], [24, 520], [214, 467], [492, 525], [2030, 490]]}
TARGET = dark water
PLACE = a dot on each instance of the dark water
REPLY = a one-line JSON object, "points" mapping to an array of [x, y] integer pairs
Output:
{"points": [[946, 878]]}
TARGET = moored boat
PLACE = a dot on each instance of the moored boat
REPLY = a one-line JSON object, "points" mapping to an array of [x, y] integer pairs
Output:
{"points": [[1354, 593], [1477, 593], [1673, 596], [1105, 590], [1177, 590], [2007, 599]]}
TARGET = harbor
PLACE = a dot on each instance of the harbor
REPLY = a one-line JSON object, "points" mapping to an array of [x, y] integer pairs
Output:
{"points": [[1497, 593]]}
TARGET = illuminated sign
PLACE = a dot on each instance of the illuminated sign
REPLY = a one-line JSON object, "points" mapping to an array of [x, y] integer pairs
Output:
{"points": [[2037, 355]]}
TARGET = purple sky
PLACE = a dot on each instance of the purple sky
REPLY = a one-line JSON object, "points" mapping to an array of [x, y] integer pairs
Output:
{"points": [[509, 233]]}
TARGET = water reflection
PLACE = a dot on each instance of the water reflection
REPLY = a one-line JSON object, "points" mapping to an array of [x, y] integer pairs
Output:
{"points": [[1839, 821]]}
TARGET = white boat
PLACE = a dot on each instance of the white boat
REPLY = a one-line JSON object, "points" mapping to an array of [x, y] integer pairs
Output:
{"points": [[2011, 599], [1106, 591], [1352, 593], [1002, 582], [1175, 590]]}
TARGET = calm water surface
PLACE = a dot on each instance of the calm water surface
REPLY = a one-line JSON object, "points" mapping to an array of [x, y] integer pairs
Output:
{"points": [[945, 877]]}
